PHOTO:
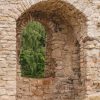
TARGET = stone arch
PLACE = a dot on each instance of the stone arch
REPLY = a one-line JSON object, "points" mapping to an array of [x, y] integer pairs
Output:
{"points": [[63, 20], [75, 17]]}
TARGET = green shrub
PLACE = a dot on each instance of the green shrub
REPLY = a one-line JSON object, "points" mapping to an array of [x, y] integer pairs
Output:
{"points": [[32, 51]]}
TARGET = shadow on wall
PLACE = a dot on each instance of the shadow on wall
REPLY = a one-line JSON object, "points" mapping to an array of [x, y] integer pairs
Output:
{"points": [[65, 27]]}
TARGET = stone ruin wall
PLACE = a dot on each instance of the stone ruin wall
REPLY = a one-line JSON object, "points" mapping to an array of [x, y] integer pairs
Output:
{"points": [[34, 89], [13, 87], [60, 60]]}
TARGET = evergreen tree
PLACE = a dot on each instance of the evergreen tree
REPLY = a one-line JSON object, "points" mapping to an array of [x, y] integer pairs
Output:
{"points": [[32, 52]]}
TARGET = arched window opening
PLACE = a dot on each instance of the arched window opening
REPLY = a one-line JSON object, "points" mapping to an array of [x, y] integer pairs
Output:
{"points": [[32, 50], [66, 28]]}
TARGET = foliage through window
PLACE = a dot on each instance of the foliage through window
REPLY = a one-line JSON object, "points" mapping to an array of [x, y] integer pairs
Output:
{"points": [[32, 51]]}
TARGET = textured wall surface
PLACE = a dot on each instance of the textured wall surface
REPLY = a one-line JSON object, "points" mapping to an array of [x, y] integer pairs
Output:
{"points": [[73, 49], [34, 89]]}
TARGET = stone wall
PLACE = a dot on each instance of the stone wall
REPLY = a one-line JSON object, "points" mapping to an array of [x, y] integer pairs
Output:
{"points": [[62, 64], [34, 89], [75, 48]]}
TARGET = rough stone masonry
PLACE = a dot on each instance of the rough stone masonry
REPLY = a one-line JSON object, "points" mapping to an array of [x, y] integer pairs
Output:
{"points": [[72, 49]]}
